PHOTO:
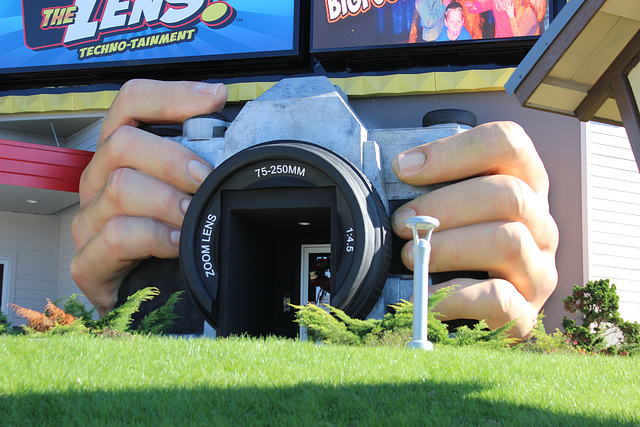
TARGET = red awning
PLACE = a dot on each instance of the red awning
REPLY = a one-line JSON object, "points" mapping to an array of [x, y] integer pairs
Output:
{"points": [[41, 166]]}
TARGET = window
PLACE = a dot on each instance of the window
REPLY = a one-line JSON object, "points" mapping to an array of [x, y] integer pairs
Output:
{"points": [[5, 269]]}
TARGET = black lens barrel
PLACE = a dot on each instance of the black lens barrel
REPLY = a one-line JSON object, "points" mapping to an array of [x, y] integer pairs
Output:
{"points": [[254, 193]]}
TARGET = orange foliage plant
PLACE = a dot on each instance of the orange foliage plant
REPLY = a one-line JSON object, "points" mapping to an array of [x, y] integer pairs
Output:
{"points": [[42, 322]]}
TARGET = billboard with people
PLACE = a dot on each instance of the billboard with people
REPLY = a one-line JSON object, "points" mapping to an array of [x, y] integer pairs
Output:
{"points": [[64, 42], [343, 24]]}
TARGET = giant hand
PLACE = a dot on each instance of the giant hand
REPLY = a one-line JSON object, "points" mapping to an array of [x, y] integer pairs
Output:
{"points": [[136, 189], [497, 220]]}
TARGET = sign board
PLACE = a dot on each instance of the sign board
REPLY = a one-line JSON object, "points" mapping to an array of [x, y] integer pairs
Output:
{"points": [[47, 35], [368, 24]]}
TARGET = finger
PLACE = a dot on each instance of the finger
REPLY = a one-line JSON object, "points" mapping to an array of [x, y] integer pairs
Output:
{"points": [[128, 192], [151, 101], [158, 157], [500, 148], [99, 266], [504, 249], [479, 200], [496, 301]]}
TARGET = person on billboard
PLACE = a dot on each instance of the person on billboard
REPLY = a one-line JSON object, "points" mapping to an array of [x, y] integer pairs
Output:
{"points": [[526, 19], [394, 22], [454, 24], [136, 189], [473, 22], [428, 21], [499, 10]]}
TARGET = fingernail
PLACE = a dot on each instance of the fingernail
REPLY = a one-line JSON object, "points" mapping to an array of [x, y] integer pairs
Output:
{"points": [[400, 218], [184, 205], [411, 161], [207, 88], [198, 170], [175, 238]]}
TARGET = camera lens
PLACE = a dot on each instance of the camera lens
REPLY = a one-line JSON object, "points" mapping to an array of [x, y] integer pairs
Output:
{"points": [[240, 250]]}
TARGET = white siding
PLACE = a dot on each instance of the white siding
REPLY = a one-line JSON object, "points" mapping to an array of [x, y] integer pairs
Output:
{"points": [[85, 139], [613, 203], [66, 285], [40, 247], [34, 241]]}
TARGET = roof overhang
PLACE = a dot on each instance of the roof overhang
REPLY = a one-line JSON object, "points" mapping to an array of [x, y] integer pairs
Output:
{"points": [[570, 70], [38, 173], [586, 66]]}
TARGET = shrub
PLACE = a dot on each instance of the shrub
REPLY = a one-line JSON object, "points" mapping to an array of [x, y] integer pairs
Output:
{"points": [[601, 329], [160, 319], [5, 325], [539, 341], [480, 334], [77, 308], [323, 327], [43, 322], [119, 319], [395, 328], [75, 318]]}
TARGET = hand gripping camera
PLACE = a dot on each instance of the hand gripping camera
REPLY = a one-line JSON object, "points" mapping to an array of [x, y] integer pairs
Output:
{"points": [[296, 171]]}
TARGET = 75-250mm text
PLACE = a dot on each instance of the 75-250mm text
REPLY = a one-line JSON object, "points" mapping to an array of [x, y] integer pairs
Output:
{"points": [[280, 169]]}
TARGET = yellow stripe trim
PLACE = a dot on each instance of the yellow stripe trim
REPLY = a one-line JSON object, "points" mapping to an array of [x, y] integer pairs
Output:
{"points": [[391, 85]]}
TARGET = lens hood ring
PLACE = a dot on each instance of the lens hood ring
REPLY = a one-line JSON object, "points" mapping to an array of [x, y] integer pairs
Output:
{"points": [[363, 267]]}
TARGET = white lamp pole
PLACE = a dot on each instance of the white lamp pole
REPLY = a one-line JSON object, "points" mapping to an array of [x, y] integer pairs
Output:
{"points": [[421, 253]]}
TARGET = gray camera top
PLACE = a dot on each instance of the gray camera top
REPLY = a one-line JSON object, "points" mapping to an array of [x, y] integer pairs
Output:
{"points": [[312, 109]]}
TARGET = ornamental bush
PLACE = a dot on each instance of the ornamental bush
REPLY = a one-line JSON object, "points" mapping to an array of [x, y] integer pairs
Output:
{"points": [[601, 329], [395, 328], [75, 318], [5, 325], [539, 341]]}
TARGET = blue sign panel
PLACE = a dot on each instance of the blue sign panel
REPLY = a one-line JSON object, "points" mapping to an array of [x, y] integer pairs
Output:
{"points": [[40, 35]]}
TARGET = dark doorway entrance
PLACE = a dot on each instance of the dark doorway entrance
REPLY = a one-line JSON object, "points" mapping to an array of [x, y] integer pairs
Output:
{"points": [[262, 237]]}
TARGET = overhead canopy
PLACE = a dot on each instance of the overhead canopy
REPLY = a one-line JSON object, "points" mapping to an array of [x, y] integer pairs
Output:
{"points": [[39, 179], [572, 68], [586, 66]]}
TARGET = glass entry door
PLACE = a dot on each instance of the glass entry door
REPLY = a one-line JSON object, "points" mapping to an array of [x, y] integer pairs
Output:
{"points": [[315, 276]]}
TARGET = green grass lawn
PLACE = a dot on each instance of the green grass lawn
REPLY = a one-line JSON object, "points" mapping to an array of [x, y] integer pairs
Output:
{"points": [[75, 380]]}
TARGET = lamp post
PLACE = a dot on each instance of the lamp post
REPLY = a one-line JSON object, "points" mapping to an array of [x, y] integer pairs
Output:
{"points": [[421, 253]]}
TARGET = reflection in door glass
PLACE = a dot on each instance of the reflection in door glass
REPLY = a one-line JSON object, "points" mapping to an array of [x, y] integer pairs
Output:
{"points": [[320, 277]]}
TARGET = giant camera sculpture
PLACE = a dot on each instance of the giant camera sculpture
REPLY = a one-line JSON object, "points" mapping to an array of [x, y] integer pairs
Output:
{"points": [[296, 155]]}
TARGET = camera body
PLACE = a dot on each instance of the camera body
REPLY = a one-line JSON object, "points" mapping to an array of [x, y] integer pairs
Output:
{"points": [[295, 169]]}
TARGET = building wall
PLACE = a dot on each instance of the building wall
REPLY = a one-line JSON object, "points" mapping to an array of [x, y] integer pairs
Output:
{"points": [[66, 285], [32, 242], [41, 246], [40, 249], [613, 212]]}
